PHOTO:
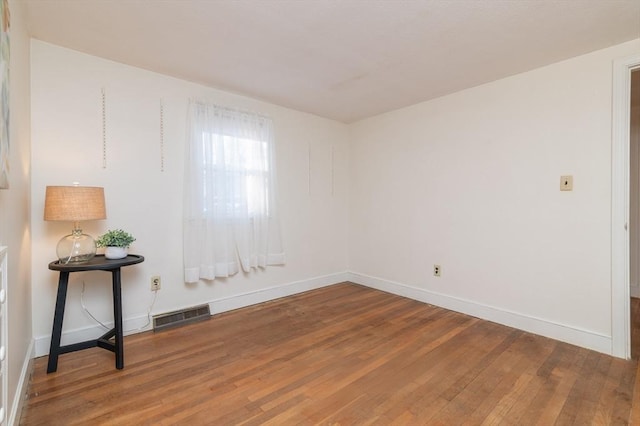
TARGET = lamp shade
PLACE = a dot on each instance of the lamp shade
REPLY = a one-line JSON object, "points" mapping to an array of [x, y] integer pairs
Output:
{"points": [[74, 203]]}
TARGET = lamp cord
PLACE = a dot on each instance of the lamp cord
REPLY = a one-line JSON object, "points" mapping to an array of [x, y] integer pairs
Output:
{"points": [[86, 311], [68, 259]]}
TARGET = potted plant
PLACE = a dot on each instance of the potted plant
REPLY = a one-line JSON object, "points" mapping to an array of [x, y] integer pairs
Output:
{"points": [[116, 243]]}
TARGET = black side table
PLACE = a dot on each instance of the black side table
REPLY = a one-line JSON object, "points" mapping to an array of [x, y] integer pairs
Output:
{"points": [[98, 263]]}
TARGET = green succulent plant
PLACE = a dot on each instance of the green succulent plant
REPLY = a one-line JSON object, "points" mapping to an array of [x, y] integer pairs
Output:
{"points": [[115, 238]]}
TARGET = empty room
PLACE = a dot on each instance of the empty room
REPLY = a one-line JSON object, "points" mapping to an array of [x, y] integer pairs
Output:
{"points": [[286, 212]]}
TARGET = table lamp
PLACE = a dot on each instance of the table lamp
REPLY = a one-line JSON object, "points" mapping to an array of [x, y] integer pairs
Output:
{"points": [[74, 204]]}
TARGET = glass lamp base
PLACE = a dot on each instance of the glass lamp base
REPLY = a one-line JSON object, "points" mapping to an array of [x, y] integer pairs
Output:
{"points": [[76, 248]]}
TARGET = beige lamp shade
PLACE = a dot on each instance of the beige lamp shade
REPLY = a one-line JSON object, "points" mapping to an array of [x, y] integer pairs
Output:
{"points": [[74, 203]]}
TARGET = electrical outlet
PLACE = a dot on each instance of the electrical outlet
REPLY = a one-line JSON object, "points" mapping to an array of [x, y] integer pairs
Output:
{"points": [[155, 283], [437, 270], [566, 183]]}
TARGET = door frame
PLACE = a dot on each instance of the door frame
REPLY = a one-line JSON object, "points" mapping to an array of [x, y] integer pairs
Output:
{"points": [[620, 291]]}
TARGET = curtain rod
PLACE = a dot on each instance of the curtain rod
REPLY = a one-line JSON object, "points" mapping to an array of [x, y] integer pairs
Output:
{"points": [[226, 108]]}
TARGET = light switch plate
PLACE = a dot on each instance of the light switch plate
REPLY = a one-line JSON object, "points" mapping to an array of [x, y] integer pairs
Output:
{"points": [[566, 183]]}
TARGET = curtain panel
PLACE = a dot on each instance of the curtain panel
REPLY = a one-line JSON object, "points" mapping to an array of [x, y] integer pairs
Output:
{"points": [[230, 209]]}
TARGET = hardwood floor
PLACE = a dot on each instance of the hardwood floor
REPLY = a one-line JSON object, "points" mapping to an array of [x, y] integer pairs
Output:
{"points": [[344, 355]]}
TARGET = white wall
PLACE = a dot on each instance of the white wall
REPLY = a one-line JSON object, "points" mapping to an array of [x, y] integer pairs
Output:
{"points": [[470, 181], [67, 146], [14, 212]]}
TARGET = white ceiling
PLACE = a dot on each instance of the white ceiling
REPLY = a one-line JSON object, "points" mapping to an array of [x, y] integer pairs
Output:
{"points": [[340, 59]]}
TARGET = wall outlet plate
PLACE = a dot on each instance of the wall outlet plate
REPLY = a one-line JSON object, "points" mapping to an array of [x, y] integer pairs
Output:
{"points": [[566, 183], [156, 283]]}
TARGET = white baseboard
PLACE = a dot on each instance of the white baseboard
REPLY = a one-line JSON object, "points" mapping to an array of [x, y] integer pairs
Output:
{"points": [[264, 295], [130, 325], [23, 387], [565, 333], [137, 324]]}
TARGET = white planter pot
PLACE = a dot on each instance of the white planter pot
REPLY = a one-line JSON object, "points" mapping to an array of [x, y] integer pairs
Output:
{"points": [[116, 252]]}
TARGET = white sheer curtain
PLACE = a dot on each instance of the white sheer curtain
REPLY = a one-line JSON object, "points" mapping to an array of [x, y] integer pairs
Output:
{"points": [[230, 218]]}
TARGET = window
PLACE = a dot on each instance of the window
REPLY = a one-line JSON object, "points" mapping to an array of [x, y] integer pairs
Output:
{"points": [[230, 218], [244, 164]]}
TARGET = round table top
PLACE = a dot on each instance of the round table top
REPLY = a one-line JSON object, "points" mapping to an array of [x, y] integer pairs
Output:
{"points": [[97, 263]]}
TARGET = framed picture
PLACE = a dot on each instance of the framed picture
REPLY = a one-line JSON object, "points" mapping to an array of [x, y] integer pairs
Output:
{"points": [[4, 94]]}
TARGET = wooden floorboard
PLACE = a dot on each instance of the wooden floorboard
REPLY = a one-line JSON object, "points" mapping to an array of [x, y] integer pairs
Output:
{"points": [[343, 354]]}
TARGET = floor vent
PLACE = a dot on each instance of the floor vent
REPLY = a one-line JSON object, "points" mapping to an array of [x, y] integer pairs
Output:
{"points": [[182, 317]]}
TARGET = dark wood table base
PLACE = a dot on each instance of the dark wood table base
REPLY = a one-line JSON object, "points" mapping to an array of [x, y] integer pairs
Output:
{"points": [[98, 263]]}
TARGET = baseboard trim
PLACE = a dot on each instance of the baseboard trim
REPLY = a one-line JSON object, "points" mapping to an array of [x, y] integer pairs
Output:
{"points": [[542, 327], [22, 390], [562, 332], [140, 323], [264, 295], [133, 325]]}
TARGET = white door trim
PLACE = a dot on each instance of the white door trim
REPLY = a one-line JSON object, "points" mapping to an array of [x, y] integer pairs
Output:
{"points": [[620, 292]]}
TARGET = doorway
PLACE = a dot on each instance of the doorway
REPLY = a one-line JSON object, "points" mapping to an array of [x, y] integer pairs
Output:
{"points": [[620, 207]]}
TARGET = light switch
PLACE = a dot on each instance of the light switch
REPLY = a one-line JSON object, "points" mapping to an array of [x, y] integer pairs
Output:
{"points": [[566, 183]]}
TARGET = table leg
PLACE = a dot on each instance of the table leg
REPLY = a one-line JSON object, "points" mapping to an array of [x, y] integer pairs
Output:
{"points": [[57, 322], [117, 316]]}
